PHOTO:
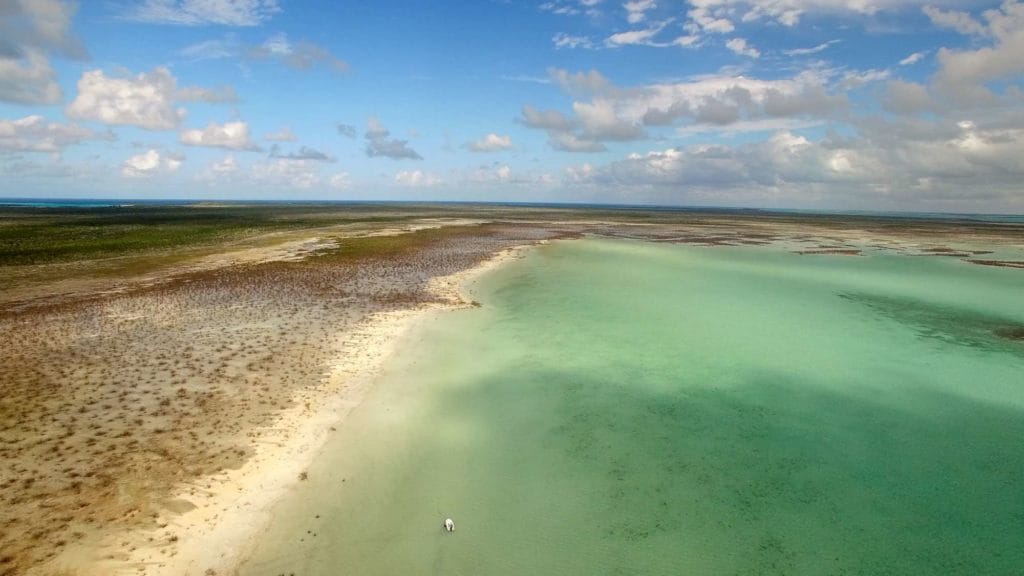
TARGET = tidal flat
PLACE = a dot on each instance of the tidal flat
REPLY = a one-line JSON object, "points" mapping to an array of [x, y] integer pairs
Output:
{"points": [[748, 389]]}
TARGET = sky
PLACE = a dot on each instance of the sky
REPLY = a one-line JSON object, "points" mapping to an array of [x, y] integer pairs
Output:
{"points": [[817, 104]]}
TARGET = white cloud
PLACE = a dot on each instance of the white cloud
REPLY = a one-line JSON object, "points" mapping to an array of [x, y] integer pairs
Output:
{"points": [[688, 41], [301, 55], [964, 74], [642, 37], [303, 153], [569, 142], [417, 179], [580, 83], [146, 100], [150, 163], [231, 135], [705, 19], [581, 173], [962, 22], [808, 51], [739, 46], [636, 10], [491, 143], [380, 143], [30, 31], [907, 98], [912, 59], [714, 15], [222, 95], [226, 165], [544, 119], [216, 49], [30, 80], [498, 173], [204, 12], [559, 129], [285, 134], [731, 103], [285, 172], [600, 121], [904, 163], [572, 7], [563, 40], [340, 180], [35, 134], [857, 78]]}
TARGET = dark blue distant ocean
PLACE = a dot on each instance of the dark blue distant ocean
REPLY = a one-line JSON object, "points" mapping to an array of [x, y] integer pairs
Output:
{"points": [[83, 203]]}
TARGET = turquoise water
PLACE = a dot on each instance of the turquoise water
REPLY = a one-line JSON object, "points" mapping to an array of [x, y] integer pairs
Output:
{"points": [[628, 408]]}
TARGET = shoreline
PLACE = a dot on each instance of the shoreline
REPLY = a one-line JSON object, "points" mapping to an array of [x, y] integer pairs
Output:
{"points": [[233, 508]]}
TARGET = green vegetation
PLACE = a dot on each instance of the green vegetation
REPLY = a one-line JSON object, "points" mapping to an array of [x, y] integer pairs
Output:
{"points": [[41, 236]]}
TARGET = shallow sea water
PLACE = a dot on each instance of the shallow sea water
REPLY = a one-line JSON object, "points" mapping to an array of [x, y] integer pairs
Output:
{"points": [[622, 407]]}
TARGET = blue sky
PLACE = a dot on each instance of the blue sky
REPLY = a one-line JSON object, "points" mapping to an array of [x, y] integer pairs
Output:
{"points": [[845, 104]]}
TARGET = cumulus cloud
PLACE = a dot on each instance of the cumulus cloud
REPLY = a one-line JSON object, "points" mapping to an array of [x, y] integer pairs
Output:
{"points": [[491, 143], [560, 130], [147, 100], [903, 162], [303, 153], [740, 46], [581, 83], [636, 10], [962, 22], [380, 143], [544, 119], [301, 55], [347, 130], [907, 98], [231, 135], [417, 179], [150, 163], [599, 121], [31, 31], [35, 134], [736, 103], [29, 80], [569, 142], [964, 74], [707, 18], [204, 12]]}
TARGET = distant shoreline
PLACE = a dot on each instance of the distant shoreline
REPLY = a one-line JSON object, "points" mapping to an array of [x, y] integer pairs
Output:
{"points": [[49, 203]]}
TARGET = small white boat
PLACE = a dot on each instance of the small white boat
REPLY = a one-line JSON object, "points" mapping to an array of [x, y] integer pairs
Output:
{"points": [[449, 524]]}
